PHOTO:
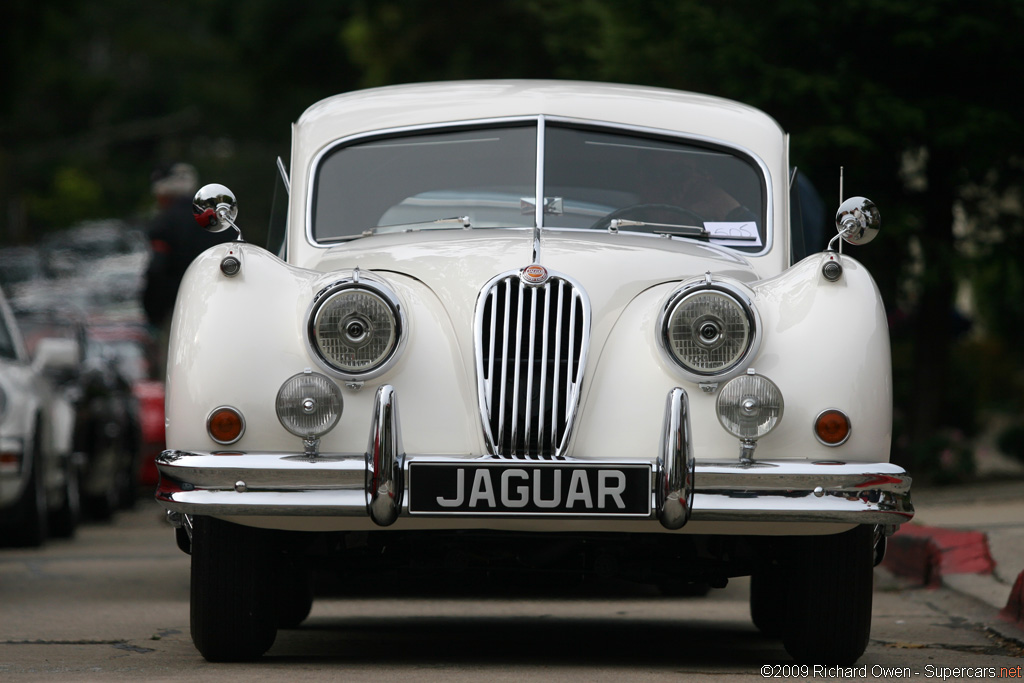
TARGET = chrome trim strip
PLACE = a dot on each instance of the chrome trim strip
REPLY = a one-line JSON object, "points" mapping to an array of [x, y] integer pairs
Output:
{"points": [[541, 409], [489, 384], [504, 368], [674, 485], [518, 365], [570, 376], [539, 209], [557, 364], [384, 459], [528, 437]]}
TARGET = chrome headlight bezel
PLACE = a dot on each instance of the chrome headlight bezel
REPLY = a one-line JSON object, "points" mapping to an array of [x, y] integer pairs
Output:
{"points": [[376, 289], [738, 294]]}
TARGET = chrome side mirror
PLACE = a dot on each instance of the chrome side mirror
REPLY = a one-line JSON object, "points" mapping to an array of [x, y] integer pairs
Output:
{"points": [[858, 220], [215, 208]]}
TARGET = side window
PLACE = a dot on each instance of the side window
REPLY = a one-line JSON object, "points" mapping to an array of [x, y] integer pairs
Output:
{"points": [[807, 218], [278, 215]]}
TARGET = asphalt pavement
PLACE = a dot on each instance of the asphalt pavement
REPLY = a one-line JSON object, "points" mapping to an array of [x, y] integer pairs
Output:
{"points": [[969, 538]]}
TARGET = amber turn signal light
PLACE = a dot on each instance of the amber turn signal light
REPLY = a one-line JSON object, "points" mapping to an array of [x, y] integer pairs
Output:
{"points": [[832, 427], [225, 425]]}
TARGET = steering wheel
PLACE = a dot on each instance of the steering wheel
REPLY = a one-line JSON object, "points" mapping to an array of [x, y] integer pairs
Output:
{"points": [[678, 215]]}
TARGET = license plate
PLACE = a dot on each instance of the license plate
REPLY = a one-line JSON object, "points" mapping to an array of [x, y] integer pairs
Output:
{"points": [[513, 488]]}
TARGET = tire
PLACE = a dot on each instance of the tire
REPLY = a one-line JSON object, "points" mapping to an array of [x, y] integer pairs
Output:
{"points": [[232, 611], [829, 598], [768, 601], [30, 515], [103, 505], [294, 596], [64, 520]]}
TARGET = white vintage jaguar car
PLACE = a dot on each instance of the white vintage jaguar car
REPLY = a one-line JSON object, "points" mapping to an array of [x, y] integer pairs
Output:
{"points": [[536, 326]]}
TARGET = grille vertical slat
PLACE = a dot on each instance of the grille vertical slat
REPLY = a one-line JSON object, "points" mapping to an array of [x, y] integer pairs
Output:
{"points": [[528, 441], [492, 298], [531, 375], [542, 405], [499, 387], [517, 367], [557, 367]]}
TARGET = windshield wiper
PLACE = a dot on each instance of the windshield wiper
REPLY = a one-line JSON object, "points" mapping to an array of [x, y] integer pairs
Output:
{"points": [[399, 227], [672, 230], [417, 225]]}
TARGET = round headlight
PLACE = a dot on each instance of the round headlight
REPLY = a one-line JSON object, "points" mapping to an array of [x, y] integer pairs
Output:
{"points": [[309, 405], [355, 329], [749, 406], [709, 331]]}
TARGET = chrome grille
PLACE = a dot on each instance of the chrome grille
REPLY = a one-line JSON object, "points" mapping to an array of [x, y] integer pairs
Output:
{"points": [[531, 350]]}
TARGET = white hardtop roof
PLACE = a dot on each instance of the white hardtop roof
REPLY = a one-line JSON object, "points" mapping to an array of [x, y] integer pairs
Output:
{"points": [[402, 106], [427, 104]]}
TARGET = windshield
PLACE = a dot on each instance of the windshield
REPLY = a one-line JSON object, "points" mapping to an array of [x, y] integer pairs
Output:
{"points": [[405, 181], [594, 179]]}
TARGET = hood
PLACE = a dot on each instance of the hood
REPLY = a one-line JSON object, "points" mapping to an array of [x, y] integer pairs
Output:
{"points": [[612, 268]]}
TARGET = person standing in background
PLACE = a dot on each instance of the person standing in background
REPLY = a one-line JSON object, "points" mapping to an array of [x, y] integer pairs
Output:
{"points": [[175, 241]]}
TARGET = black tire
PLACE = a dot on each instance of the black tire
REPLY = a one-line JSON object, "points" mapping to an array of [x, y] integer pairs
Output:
{"points": [[768, 601], [103, 505], [30, 517], [829, 598], [294, 596], [233, 615], [64, 520]]}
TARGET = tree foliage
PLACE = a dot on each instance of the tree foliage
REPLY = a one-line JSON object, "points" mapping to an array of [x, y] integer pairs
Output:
{"points": [[910, 96]]}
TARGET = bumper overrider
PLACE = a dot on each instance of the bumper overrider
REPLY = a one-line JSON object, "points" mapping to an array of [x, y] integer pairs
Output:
{"points": [[385, 483]]}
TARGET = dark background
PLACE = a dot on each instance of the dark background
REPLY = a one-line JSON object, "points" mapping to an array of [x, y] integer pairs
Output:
{"points": [[916, 99]]}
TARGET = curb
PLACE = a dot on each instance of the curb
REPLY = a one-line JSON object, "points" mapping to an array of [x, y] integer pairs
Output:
{"points": [[1014, 610], [925, 554], [931, 556]]}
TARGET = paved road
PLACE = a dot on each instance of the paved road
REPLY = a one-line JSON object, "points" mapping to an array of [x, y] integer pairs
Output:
{"points": [[113, 605]]}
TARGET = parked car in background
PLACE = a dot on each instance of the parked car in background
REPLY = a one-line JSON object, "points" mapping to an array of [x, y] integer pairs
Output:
{"points": [[541, 327], [127, 348], [101, 388], [76, 250], [39, 493], [20, 264]]}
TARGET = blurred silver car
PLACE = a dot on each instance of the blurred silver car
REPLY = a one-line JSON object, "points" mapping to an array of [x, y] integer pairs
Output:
{"points": [[38, 477]]}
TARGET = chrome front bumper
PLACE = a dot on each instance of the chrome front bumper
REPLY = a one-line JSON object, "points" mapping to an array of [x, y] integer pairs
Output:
{"points": [[374, 483]]}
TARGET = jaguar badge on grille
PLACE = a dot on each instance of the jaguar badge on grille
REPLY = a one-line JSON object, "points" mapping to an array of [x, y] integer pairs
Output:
{"points": [[534, 274]]}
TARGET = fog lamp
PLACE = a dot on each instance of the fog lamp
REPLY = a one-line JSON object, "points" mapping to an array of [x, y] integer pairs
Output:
{"points": [[309, 405], [749, 406]]}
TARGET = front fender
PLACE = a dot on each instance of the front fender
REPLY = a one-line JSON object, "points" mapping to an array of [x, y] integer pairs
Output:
{"points": [[235, 340], [825, 344]]}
